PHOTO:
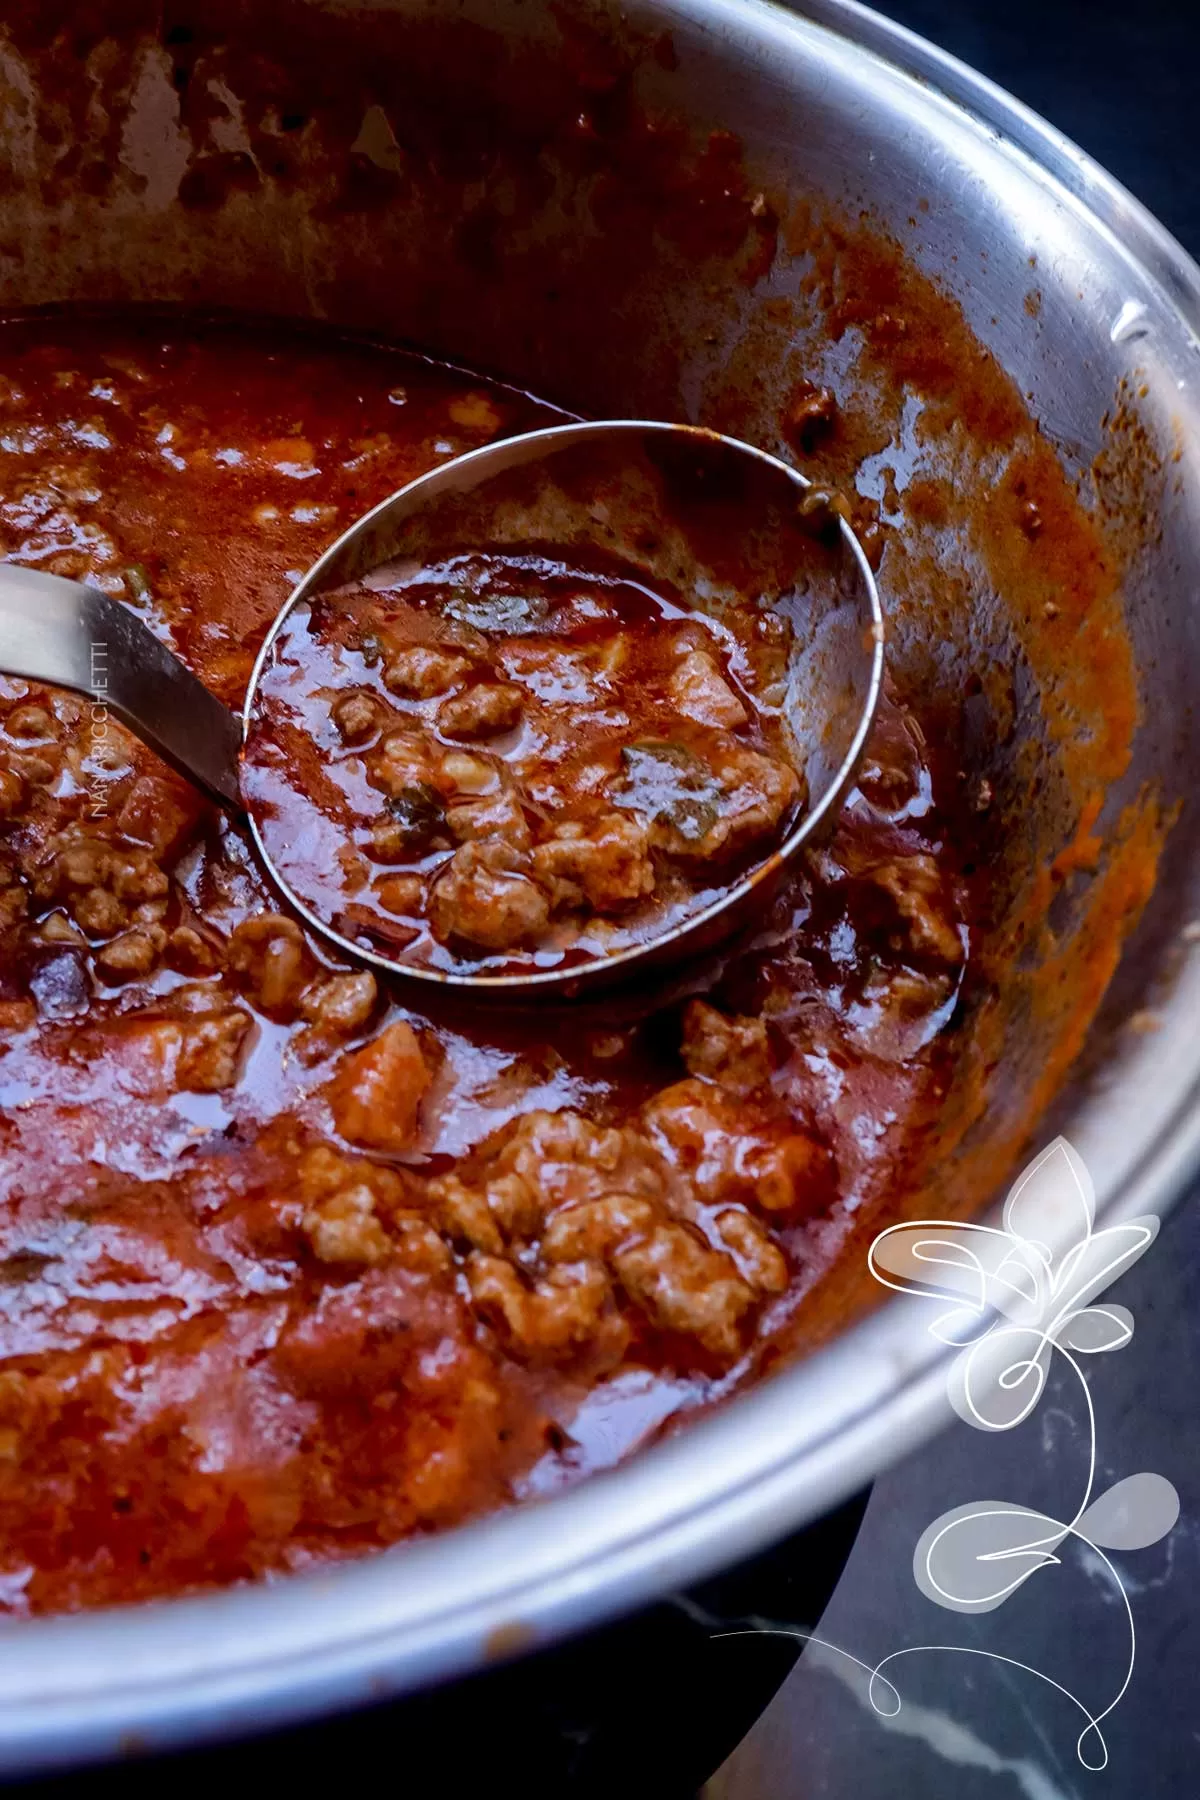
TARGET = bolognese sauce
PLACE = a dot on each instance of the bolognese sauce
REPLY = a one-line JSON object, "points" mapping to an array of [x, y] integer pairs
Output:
{"points": [[511, 764], [291, 1268]]}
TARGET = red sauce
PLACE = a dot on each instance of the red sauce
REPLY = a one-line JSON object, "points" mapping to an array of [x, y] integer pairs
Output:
{"points": [[291, 1269], [507, 763]]}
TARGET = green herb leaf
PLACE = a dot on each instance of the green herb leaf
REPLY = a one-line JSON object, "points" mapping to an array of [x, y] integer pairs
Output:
{"points": [[418, 812], [667, 781]]}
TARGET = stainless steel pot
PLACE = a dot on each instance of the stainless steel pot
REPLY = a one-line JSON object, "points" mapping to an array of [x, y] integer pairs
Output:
{"points": [[828, 101]]}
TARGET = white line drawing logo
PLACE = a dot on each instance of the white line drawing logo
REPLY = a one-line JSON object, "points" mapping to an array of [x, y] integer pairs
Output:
{"points": [[1014, 1303]]}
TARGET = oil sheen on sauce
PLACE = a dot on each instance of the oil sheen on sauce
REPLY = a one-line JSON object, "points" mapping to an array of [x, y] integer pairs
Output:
{"points": [[291, 1269]]}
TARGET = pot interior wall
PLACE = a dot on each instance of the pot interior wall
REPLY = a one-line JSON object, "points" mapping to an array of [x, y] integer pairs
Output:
{"points": [[687, 212]]}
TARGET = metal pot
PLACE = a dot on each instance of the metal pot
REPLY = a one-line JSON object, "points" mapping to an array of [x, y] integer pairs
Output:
{"points": [[377, 219]]}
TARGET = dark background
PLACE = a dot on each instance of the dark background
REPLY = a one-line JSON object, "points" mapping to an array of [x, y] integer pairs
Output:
{"points": [[1121, 77]]}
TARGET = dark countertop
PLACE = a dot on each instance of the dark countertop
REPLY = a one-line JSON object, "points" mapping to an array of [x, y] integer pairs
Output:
{"points": [[1120, 79], [1118, 76]]}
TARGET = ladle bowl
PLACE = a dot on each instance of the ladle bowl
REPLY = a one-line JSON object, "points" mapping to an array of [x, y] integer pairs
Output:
{"points": [[712, 519]]}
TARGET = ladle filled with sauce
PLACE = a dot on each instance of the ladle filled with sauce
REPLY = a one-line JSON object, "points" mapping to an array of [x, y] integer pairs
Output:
{"points": [[563, 708]]}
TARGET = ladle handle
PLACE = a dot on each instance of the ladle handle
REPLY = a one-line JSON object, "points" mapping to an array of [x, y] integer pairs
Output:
{"points": [[65, 632]]}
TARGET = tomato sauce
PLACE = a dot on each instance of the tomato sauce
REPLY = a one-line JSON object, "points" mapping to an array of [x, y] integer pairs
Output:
{"points": [[510, 764], [292, 1268]]}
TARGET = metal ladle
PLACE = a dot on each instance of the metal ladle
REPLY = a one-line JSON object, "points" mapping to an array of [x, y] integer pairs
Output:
{"points": [[715, 518]]}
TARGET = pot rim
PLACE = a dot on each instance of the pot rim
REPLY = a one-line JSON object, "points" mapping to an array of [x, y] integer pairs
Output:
{"points": [[168, 1672]]}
